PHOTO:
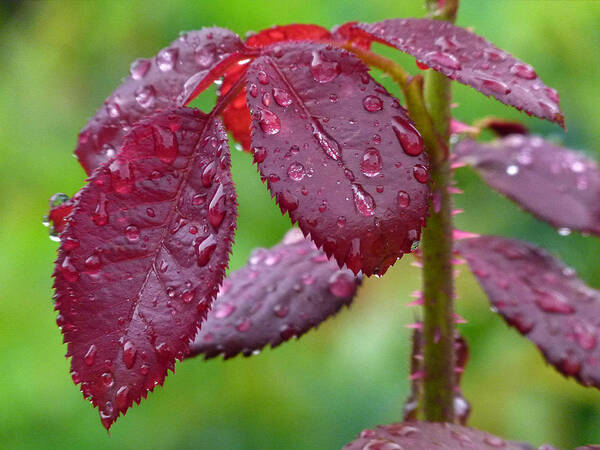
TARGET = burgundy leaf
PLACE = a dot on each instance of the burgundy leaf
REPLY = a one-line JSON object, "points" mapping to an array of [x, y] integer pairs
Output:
{"points": [[282, 293], [56, 220], [143, 256], [471, 60], [350, 33], [189, 64], [462, 408], [543, 299], [555, 184], [339, 153], [236, 115], [415, 435], [503, 127]]}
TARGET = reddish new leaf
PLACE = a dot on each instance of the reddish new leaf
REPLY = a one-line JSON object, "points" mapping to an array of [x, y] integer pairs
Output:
{"points": [[282, 293], [415, 435], [543, 299], [339, 153], [188, 65], [462, 408], [350, 33], [143, 256], [503, 127], [470, 59], [557, 185], [236, 115]]}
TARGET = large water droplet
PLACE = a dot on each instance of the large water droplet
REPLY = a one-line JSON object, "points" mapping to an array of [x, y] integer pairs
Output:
{"points": [[495, 441], [372, 103], [204, 56], [166, 59], [244, 325], [122, 398], [282, 97], [443, 59], [129, 353], [585, 335], [260, 154], [90, 355], [407, 135], [421, 173], [495, 86], [208, 174], [205, 249], [269, 122], [371, 162], [323, 71], [403, 199], [145, 96], [363, 201], [262, 77], [167, 146], [69, 271], [296, 171], [132, 233], [341, 284], [224, 310], [523, 71], [216, 208], [329, 145], [280, 310], [139, 68], [100, 214], [107, 379], [551, 303], [121, 176]]}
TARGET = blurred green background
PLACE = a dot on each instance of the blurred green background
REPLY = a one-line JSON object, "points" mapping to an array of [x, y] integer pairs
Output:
{"points": [[60, 59]]}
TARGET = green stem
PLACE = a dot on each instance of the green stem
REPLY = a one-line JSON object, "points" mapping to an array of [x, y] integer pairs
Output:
{"points": [[436, 244]]}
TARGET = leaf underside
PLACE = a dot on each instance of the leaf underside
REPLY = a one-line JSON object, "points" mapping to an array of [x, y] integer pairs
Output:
{"points": [[282, 293], [469, 59], [143, 255], [415, 435], [236, 116], [339, 154], [555, 184], [543, 299], [155, 84]]}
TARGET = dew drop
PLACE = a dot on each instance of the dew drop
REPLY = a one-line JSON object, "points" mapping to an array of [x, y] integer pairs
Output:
{"points": [[262, 76], [287, 201], [372, 103], [371, 162], [523, 71], [323, 71], [144, 369], [495, 441], [204, 56], [166, 58], [280, 311], [121, 176], [122, 398], [90, 355], [167, 146], [443, 59], [552, 304], [269, 122], [495, 86], [329, 145], [208, 174], [253, 90], [150, 212], [69, 271], [129, 354], [341, 221], [282, 97], [512, 170], [139, 68], [224, 310], [407, 135], [363, 201], [92, 262], [421, 173], [296, 171], [106, 413], [132, 233], [145, 96], [188, 296], [341, 284], [205, 249], [403, 199], [260, 154], [107, 379], [216, 208], [585, 335], [244, 326]]}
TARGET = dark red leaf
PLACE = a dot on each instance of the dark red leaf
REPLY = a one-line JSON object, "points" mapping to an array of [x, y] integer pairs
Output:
{"points": [[339, 153], [471, 60], [189, 64], [543, 299], [349, 32], [236, 115], [557, 185], [282, 293], [503, 127], [415, 435], [143, 256], [462, 408], [56, 220]]}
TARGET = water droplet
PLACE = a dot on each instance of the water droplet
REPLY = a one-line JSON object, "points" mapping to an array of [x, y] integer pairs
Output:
{"points": [[262, 76], [371, 162], [269, 122], [216, 208], [523, 71], [167, 146], [244, 326], [139, 68], [363, 201], [372, 103], [382, 444], [107, 379], [287, 201], [403, 199], [121, 176], [253, 90], [113, 109], [188, 296], [407, 135], [421, 173], [132, 233], [329, 145], [129, 353], [495, 86], [205, 249], [341, 221], [90, 355], [70, 244], [280, 310], [551, 303], [106, 414], [69, 271], [208, 174], [92, 262], [224, 310], [512, 170], [282, 97], [145, 96], [204, 56], [552, 94], [266, 99], [323, 71], [564, 231], [150, 212], [296, 171], [585, 335], [122, 398], [260, 154], [144, 369], [443, 59], [341, 284], [495, 441], [166, 59]]}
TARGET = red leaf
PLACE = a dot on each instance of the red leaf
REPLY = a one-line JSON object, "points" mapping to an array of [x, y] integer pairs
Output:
{"points": [[57, 218], [471, 60], [143, 255], [555, 184], [330, 142], [415, 435], [236, 115], [282, 293], [189, 64], [503, 127], [543, 299], [349, 32]]}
